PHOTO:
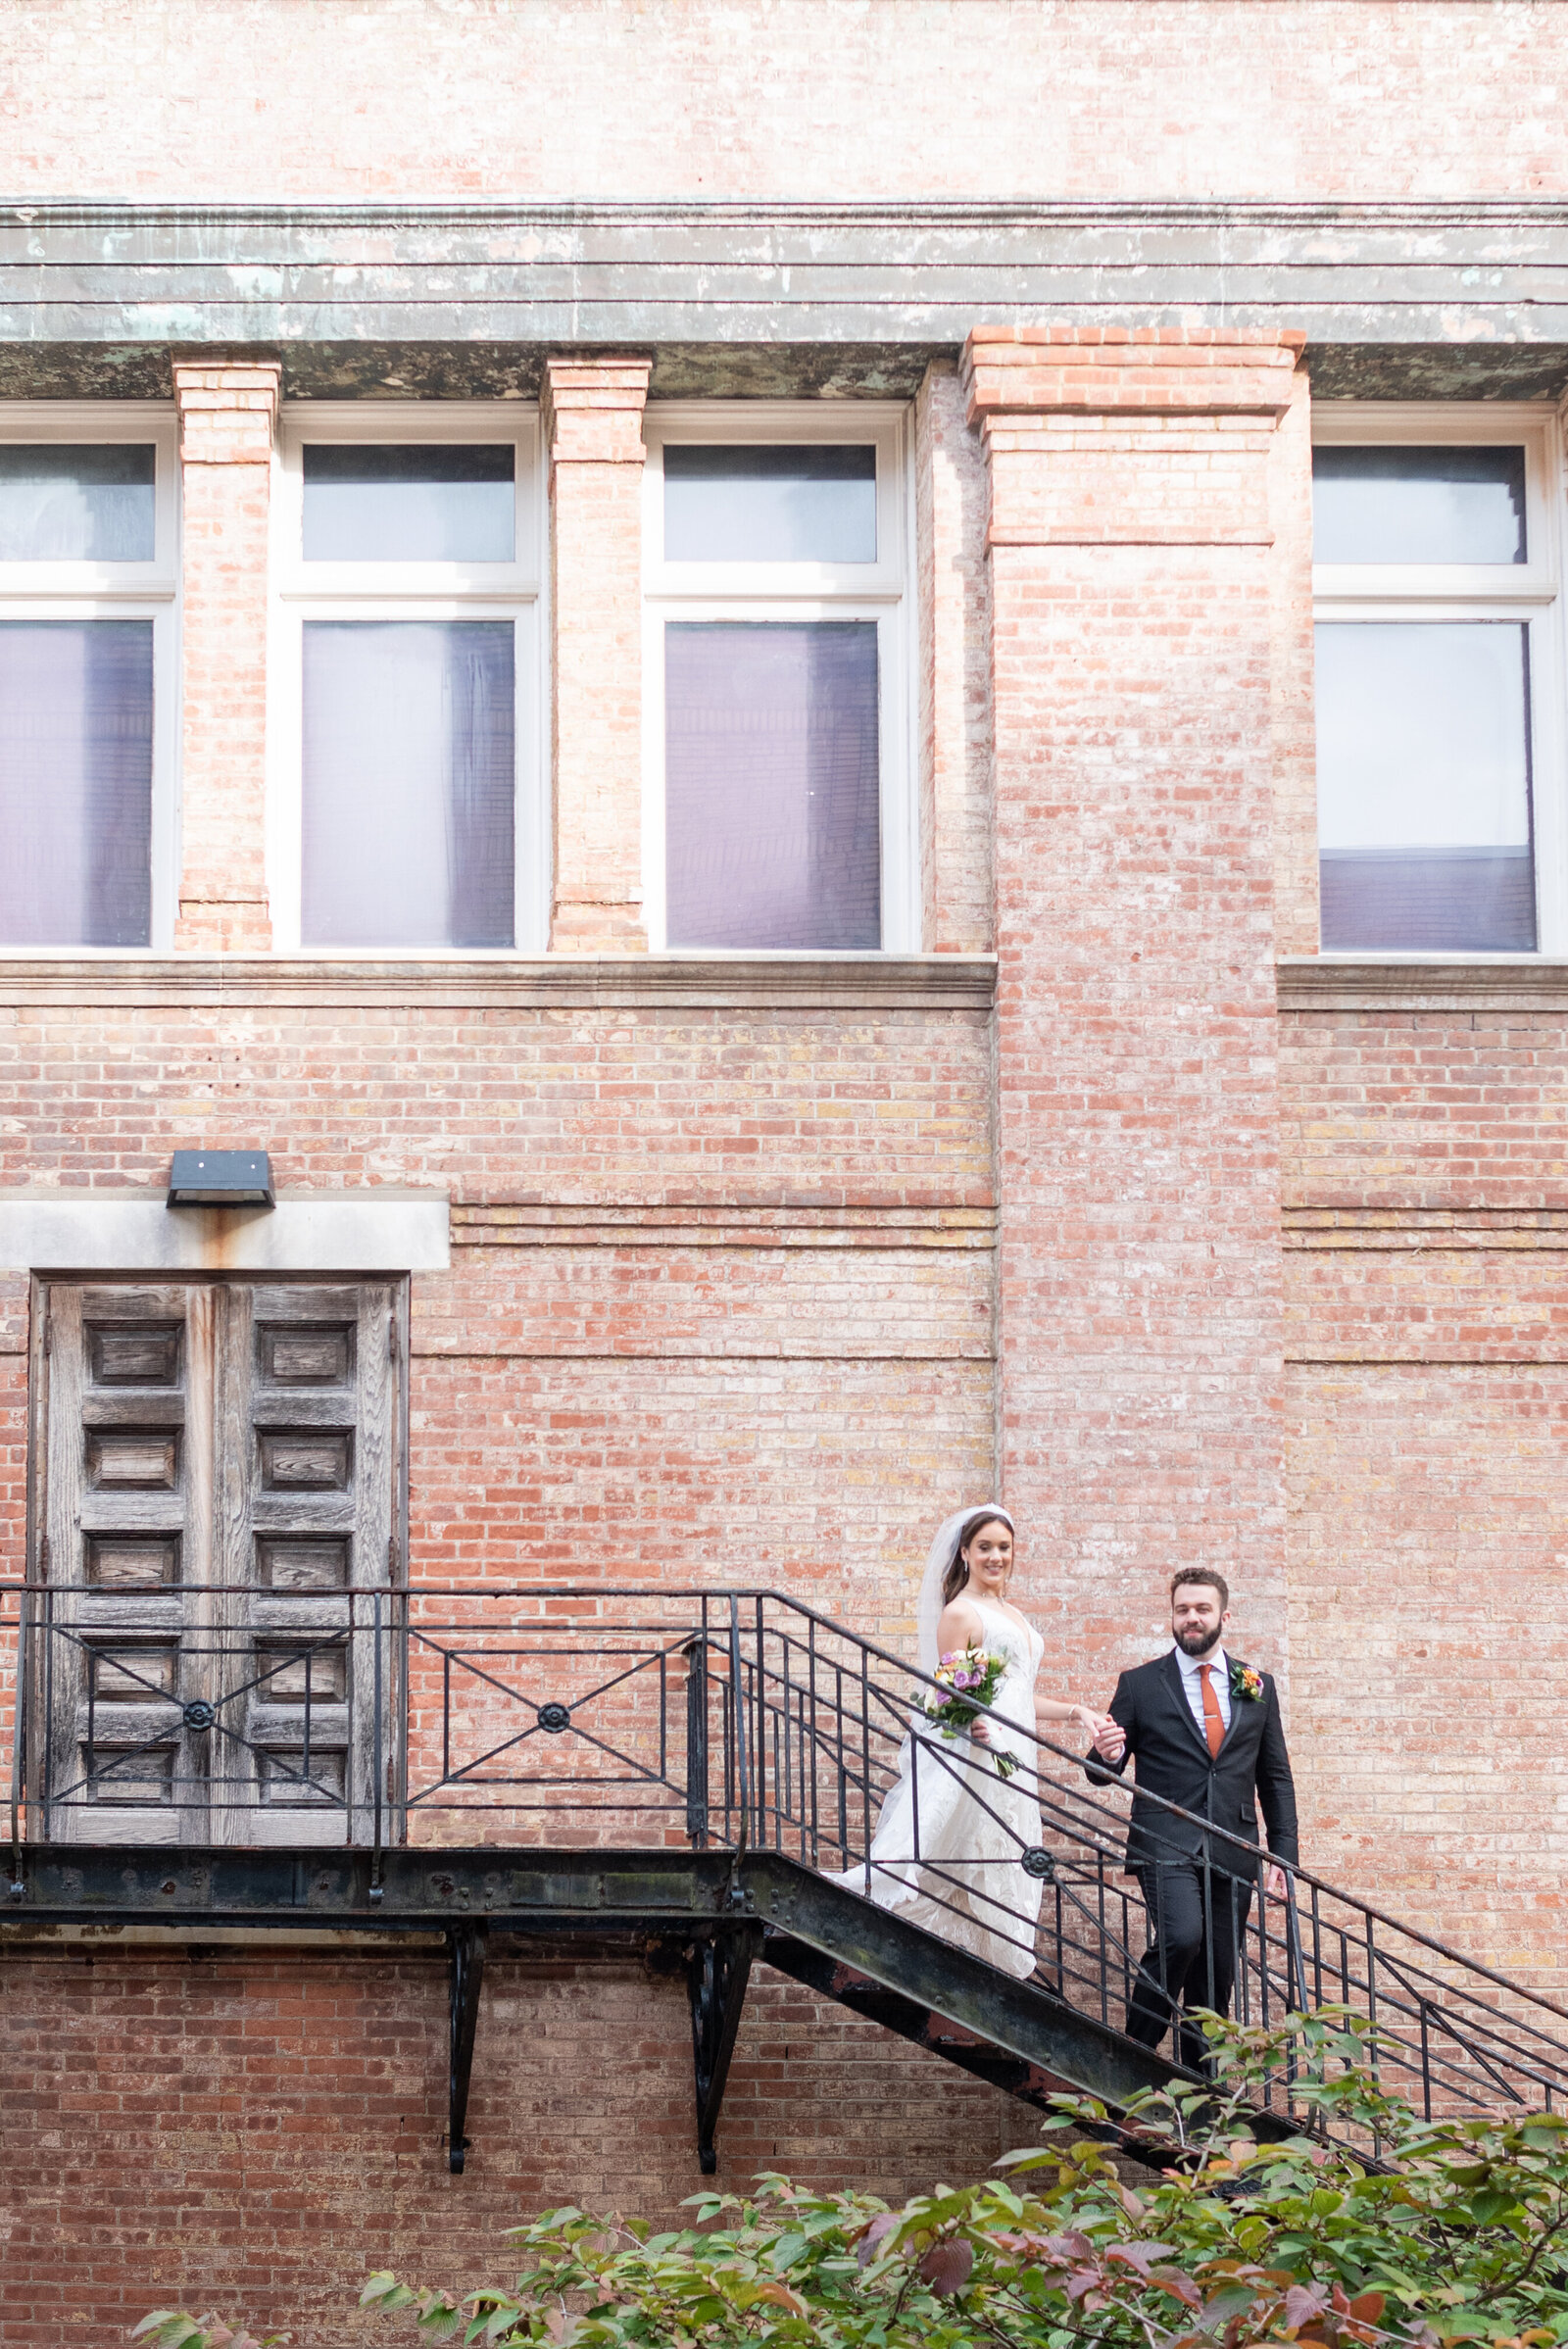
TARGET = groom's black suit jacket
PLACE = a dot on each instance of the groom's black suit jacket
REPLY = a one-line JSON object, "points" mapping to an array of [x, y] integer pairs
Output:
{"points": [[1173, 1760]]}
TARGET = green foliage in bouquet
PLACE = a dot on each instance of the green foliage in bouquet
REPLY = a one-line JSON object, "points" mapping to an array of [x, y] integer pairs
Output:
{"points": [[971, 1677]]}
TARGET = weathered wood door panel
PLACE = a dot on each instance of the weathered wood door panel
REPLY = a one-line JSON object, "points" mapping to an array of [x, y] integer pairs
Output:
{"points": [[308, 1482], [219, 1498], [126, 1515]]}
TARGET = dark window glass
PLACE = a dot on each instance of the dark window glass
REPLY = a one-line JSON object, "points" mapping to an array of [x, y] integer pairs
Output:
{"points": [[78, 504], [1424, 815], [409, 505], [76, 782], [771, 504], [1418, 504], [409, 783], [771, 800]]}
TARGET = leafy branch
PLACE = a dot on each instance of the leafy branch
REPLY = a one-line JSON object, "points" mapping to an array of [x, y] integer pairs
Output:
{"points": [[1369, 2229]]}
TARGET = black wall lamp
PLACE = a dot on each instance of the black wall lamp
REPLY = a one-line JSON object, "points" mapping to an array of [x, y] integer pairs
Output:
{"points": [[221, 1179]]}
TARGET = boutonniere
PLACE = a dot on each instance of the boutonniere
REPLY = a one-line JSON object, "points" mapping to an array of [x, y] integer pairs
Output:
{"points": [[1246, 1683]]}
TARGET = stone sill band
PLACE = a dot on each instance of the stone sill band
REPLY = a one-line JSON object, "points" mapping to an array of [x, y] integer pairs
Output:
{"points": [[588, 982], [134, 1232], [1324, 983], [633, 982]]}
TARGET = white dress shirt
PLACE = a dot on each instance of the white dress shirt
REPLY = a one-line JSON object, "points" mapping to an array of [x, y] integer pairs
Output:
{"points": [[1192, 1682]]}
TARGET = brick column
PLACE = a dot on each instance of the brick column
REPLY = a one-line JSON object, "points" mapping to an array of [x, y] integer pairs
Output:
{"points": [[228, 415], [1141, 1341], [593, 415]]}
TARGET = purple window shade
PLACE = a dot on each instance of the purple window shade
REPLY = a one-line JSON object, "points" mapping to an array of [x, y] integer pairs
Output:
{"points": [[1462, 901], [772, 830], [76, 782], [409, 783]]}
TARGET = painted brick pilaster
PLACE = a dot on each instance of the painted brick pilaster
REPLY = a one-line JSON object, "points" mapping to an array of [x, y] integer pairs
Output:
{"points": [[228, 418], [1132, 648], [953, 581], [593, 413]]}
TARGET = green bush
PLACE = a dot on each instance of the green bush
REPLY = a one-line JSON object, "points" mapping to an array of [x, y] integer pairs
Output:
{"points": [[1458, 2233]]}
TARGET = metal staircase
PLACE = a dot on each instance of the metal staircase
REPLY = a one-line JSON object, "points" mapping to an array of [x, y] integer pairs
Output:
{"points": [[684, 1771]]}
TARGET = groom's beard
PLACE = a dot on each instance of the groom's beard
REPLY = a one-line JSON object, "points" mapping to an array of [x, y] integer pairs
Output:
{"points": [[1198, 1644]]}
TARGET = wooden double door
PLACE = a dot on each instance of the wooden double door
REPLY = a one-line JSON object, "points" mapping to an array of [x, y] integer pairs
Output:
{"points": [[218, 1480]]}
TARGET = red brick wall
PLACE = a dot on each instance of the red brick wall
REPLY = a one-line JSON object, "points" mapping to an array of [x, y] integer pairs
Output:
{"points": [[719, 1310], [952, 612], [227, 415], [810, 98], [259, 2129], [724, 1297], [1426, 1110], [1427, 1314], [1140, 1351], [1293, 718], [603, 1105], [592, 431], [758, 1343]]}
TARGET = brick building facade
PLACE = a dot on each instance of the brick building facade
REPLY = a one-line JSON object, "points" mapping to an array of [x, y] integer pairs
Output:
{"points": [[1087, 1121]]}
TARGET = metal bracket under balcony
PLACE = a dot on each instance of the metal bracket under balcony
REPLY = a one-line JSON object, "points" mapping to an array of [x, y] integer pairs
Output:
{"points": [[703, 1912]]}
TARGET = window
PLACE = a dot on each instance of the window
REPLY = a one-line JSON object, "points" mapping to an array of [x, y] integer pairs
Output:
{"points": [[406, 806], [1439, 818], [779, 803], [88, 577], [217, 1472]]}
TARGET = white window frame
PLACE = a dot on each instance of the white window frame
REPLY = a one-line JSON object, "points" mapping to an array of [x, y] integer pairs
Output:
{"points": [[1529, 592], [120, 591], [304, 591], [879, 591]]}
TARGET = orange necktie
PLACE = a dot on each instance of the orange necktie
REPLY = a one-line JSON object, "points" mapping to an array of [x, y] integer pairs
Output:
{"points": [[1214, 1720]]}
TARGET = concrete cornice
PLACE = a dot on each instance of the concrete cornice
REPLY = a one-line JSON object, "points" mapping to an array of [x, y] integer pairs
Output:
{"points": [[1472, 292], [1325, 983], [628, 982], [987, 212]]}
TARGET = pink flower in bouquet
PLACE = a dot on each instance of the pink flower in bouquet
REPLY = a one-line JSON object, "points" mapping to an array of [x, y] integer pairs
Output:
{"points": [[973, 1675]]}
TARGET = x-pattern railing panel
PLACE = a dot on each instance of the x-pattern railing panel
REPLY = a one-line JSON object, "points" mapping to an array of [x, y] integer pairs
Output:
{"points": [[212, 1716]]}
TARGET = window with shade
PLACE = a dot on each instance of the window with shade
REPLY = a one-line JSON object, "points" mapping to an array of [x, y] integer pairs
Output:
{"points": [[87, 593], [775, 678], [1434, 574], [410, 586]]}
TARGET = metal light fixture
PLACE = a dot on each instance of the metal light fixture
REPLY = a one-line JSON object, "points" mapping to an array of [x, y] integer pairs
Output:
{"points": [[221, 1179]]}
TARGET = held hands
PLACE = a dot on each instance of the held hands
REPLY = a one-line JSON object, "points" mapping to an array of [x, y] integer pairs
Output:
{"points": [[980, 1731], [1110, 1738]]}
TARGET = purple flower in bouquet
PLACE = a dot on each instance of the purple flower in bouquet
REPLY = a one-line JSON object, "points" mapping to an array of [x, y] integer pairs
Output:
{"points": [[972, 1675]]}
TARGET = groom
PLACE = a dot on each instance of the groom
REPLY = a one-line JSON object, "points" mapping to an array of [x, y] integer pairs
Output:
{"points": [[1205, 1730]]}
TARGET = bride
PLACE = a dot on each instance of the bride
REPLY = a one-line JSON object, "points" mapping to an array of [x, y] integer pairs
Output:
{"points": [[954, 1829]]}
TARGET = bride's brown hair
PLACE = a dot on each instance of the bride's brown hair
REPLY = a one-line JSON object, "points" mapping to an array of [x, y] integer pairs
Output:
{"points": [[958, 1575]]}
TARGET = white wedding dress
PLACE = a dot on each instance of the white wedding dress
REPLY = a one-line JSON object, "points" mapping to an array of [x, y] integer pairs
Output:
{"points": [[948, 1845]]}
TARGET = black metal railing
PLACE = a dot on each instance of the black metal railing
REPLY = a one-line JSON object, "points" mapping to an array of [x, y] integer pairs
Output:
{"points": [[568, 1717]]}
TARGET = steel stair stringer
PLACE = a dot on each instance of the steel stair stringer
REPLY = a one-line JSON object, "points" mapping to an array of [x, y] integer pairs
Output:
{"points": [[1014, 2035]]}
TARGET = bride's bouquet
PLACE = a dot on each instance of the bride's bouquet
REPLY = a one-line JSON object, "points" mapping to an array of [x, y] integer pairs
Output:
{"points": [[973, 1675]]}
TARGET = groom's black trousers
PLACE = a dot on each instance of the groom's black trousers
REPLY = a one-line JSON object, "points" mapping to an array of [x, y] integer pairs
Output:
{"points": [[1193, 1956]]}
